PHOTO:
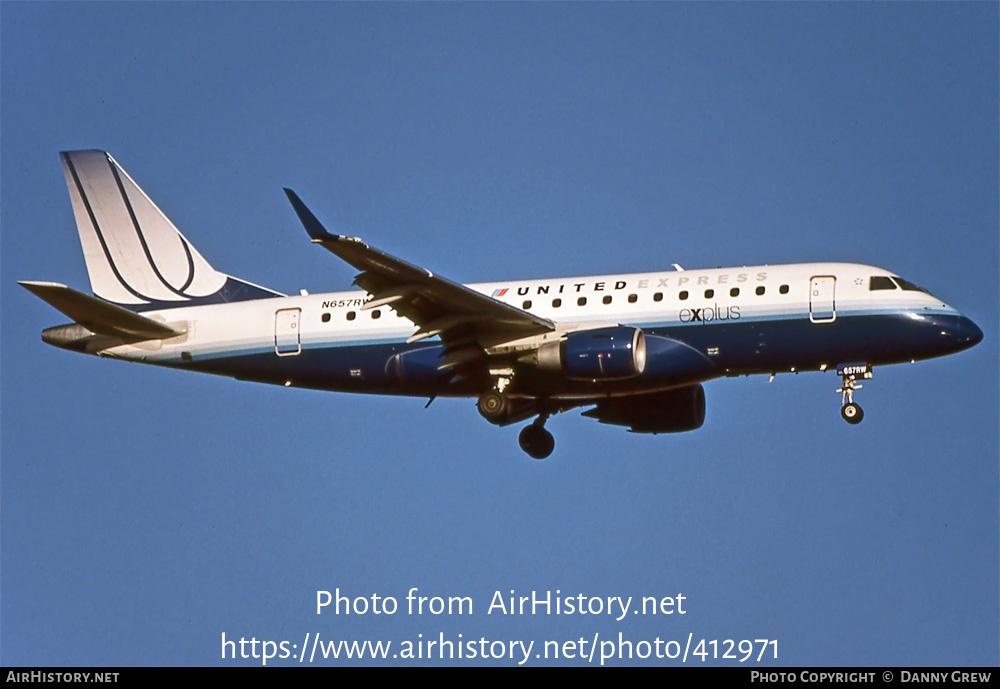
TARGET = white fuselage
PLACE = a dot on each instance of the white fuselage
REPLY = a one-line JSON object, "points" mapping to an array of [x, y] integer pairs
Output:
{"points": [[684, 304]]}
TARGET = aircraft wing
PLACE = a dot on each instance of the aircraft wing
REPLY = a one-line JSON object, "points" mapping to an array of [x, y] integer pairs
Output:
{"points": [[459, 315]]}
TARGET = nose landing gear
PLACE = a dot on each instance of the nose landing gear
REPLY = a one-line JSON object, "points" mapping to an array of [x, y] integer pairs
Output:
{"points": [[850, 410]]}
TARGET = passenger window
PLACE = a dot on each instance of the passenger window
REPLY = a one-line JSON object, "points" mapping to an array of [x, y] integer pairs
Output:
{"points": [[783, 289], [632, 298], [350, 315], [658, 296], [760, 290], [734, 292], [880, 282], [582, 301], [683, 295], [607, 299], [556, 303], [326, 318], [526, 305], [376, 314], [709, 293]]}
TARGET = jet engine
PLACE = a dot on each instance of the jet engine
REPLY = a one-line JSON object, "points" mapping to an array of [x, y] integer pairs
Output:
{"points": [[670, 411], [599, 354]]}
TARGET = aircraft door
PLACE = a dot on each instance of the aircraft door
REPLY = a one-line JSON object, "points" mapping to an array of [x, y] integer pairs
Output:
{"points": [[822, 299], [286, 332]]}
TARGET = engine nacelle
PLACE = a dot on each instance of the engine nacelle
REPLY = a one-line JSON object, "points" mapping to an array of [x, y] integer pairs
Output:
{"points": [[418, 368], [599, 354], [670, 411]]}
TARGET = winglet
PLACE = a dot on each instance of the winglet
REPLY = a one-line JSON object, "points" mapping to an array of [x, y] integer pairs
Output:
{"points": [[313, 226]]}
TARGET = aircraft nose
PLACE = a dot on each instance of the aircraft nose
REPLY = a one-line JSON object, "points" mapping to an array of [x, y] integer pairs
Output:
{"points": [[973, 334], [965, 333]]}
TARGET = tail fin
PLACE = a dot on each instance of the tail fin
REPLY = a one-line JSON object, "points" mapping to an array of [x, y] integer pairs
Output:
{"points": [[135, 256]]}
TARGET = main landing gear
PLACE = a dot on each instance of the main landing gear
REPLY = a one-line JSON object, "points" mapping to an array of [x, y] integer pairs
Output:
{"points": [[535, 440], [499, 408], [494, 405], [851, 410]]}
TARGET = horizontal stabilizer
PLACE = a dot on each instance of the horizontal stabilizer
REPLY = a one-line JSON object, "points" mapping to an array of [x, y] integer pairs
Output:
{"points": [[99, 316]]}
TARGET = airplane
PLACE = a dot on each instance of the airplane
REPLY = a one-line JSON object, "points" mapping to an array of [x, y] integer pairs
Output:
{"points": [[633, 348]]}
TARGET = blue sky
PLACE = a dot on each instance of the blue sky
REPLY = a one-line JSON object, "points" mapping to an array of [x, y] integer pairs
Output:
{"points": [[145, 512]]}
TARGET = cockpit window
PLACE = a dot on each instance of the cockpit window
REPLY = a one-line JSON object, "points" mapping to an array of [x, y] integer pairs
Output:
{"points": [[909, 286], [880, 282]]}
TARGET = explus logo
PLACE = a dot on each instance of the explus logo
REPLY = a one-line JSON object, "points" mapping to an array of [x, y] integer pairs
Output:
{"points": [[709, 314]]}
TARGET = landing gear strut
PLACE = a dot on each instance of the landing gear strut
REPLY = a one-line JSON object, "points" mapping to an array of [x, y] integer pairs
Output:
{"points": [[535, 440], [850, 410]]}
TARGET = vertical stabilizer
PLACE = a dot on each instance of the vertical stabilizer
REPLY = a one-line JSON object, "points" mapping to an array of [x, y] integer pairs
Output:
{"points": [[135, 256]]}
